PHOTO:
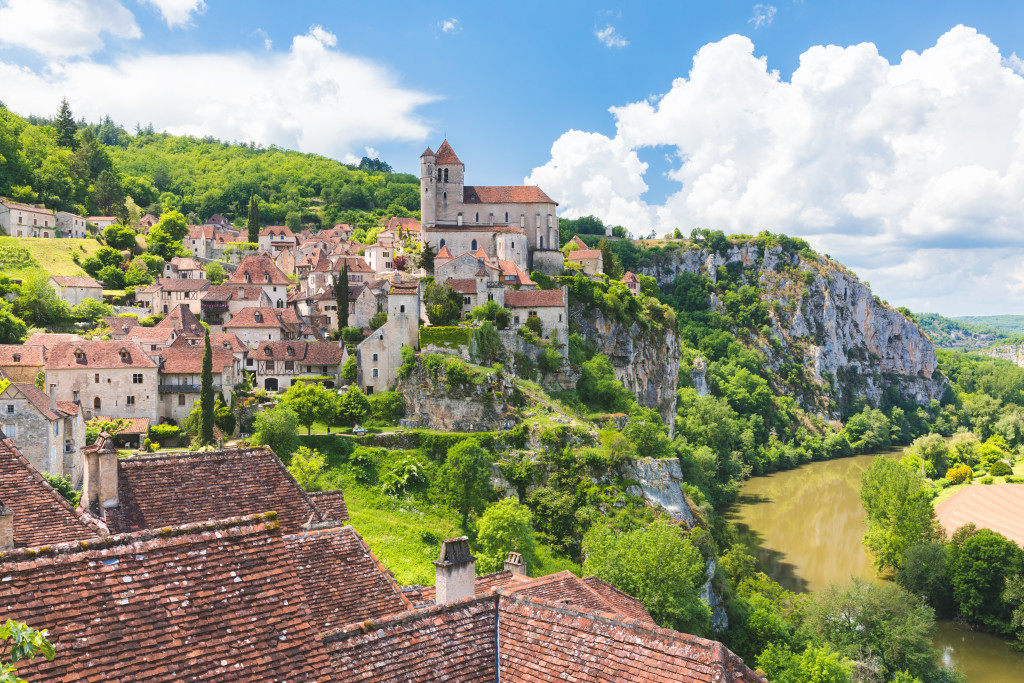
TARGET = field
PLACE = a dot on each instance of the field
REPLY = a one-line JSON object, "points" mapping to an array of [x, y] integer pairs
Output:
{"points": [[999, 508], [50, 255]]}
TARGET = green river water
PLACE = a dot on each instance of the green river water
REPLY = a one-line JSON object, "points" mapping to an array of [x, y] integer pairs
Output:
{"points": [[805, 526]]}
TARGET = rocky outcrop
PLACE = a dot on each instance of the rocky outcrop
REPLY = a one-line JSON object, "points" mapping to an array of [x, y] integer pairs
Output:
{"points": [[646, 362], [467, 407], [1011, 352], [699, 376], [719, 618], [658, 483], [824, 320]]}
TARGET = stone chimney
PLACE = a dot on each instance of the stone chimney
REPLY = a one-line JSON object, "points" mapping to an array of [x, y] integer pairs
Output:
{"points": [[455, 574], [514, 563], [99, 487], [6, 527]]}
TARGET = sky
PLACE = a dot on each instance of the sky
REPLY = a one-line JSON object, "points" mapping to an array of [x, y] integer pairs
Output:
{"points": [[890, 135]]}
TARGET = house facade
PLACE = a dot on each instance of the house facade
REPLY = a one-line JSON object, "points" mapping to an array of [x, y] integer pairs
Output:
{"points": [[114, 378], [27, 220], [74, 289], [280, 364], [72, 225], [48, 432], [181, 374], [379, 356]]}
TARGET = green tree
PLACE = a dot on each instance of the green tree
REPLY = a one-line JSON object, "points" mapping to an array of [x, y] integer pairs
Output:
{"points": [[349, 370], [426, 259], [21, 643], [65, 126], [933, 449], [814, 664], [599, 389], [311, 403], [925, 572], [252, 223], [899, 511], [90, 311], [111, 277], [657, 564], [38, 304], [488, 344], [293, 219], [12, 328], [353, 407], [341, 296], [276, 428], [443, 304], [306, 466], [108, 194], [207, 415], [504, 527], [981, 561], [612, 267], [119, 237], [174, 224], [464, 480], [1013, 596], [224, 417], [215, 272]]}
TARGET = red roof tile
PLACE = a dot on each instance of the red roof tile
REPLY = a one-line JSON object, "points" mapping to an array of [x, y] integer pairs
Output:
{"points": [[75, 281], [261, 270], [584, 254], [224, 340], [39, 400], [446, 155], [98, 354], [277, 231], [120, 325], [136, 425], [445, 252], [462, 285], [312, 353], [20, 354], [623, 603], [630, 277], [259, 316], [181, 319], [407, 224], [534, 298], [189, 360], [48, 340], [505, 194], [331, 505]]}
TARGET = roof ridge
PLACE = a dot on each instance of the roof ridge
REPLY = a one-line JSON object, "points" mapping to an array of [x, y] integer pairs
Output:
{"points": [[363, 627], [230, 453]]}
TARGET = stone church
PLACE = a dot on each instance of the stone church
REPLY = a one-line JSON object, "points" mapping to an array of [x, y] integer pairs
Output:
{"points": [[515, 223]]}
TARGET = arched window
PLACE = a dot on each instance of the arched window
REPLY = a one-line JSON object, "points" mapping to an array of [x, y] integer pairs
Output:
{"points": [[96, 403], [442, 244], [446, 175], [506, 216], [445, 195], [438, 175], [477, 219], [541, 243], [473, 246]]}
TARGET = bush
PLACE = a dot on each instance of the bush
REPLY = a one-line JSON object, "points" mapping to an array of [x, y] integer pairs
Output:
{"points": [[958, 475], [352, 335], [446, 337], [987, 480], [404, 474], [387, 406], [1000, 469], [408, 361], [534, 325], [1014, 480]]}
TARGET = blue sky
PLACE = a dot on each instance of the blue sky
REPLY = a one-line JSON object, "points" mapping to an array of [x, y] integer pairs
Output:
{"points": [[524, 91]]}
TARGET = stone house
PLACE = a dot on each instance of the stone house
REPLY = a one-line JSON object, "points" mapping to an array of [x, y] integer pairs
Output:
{"points": [[219, 221], [280, 364], [182, 320], [199, 240], [101, 222], [151, 339], [590, 260], [148, 221], [181, 373], [184, 268], [171, 292], [466, 266], [120, 325], [48, 432], [273, 238], [72, 225], [21, 363], [113, 378], [260, 269], [380, 257], [379, 356], [133, 432], [27, 220], [74, 289], [550, 305], [399, 229], [256, 324], [632, 282], [220, 303], [493, 243]]}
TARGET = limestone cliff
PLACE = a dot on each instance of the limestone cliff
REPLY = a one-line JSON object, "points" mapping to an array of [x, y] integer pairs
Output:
{"points": [[1011, 352], [824, 322], [437, 403], [647, 363]]}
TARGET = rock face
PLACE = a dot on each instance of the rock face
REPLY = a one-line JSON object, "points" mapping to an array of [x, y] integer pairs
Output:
{"points": [[822, 318], [471, 407], [1011, 352], [658, 483], [647, 363], [699, 376]]}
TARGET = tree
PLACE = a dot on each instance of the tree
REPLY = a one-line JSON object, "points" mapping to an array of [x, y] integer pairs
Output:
{"points": [[817, 664], [137, 274], [609, 261], [207, 415], [224, 416], [464, 480], [215, 273], [426, 260], [341, 296], [925, 572], [108, 194], [90, 311], [504, 527], [353, 407], [306, 466], [488, 344], [349, 370], [598, 387], [21, 643], [311, 403], [899, 511], [174, 224], [981, 561], [120, 237], [38, 304], [293, 219], [12, 328], [276, 428], [657, 564], [443, 304], [252, 223], [65, 126]]}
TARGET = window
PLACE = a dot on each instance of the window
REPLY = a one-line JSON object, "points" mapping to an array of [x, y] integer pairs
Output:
{"points": [[11, 431], [438, 175], [289, 365], [96, 378], [17, 358], [56, 428], [137, 378], [129, 400], [444, 195], [506, 216], [472, 246], [401, 309], [442, 243], [75, 396], [10, 408], [559, 317], [465, 300], [375, 358], [387, 264], [386, 254], [477, 218], [69, 446], [269, 366], [446, 175], [181, 399], [376, 372], [540, 242], [96, 403], [248, 362], [513, 245]]}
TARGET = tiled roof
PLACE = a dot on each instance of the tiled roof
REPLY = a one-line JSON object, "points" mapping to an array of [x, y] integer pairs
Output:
{"points": [[150, 335], [181, 488], [48, 340], [445, 252], [428, 153], [181, 319], [247, 317], [624, 604], [446, 227], [462, 285], [98, 354], [259, 267], [24, 207], [480, 253], [189, 360], [67, 407], [101, 218], [356, 264], [234, 292], [39, 400], [41, 515], [120, 325], [563, 588], [630, 277], [224, 340], [509, 268], [186, 263], [200, 232], [277, 231], [331, 505], [505, 194], [27, 355], [313, 353], [408, 287], [446, 155], [180, 284], [530, 298], [482, 585], [578, 241], [75, 281], [215, 601], [136, 425], [410, 224], [584, 254], [343, 581]]}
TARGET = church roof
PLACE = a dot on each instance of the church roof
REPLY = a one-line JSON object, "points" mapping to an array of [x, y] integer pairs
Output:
{"points": [[444, 253], [446, 155], [505, 194], [428, 153]]}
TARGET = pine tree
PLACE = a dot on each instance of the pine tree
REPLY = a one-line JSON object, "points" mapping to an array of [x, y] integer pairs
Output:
{"points": [[341, 297], [65, 125], [206, 402], [427, 258], [253, 224]]}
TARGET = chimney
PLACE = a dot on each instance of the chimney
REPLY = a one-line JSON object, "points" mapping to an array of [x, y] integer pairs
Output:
{"points": [[455, 573], [99, 487], [514, 563], [6, 527]]}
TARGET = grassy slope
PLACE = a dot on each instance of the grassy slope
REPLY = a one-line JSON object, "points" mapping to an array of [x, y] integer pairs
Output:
{"points": [[1010, 324], [51, 255]]}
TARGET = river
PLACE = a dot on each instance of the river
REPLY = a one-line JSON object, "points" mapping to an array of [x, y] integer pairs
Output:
{"points": [[805, 527]]}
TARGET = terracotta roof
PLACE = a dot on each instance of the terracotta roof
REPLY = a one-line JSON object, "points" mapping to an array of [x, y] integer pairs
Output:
{"points": [[505, 194], [186, 263], [200, 232], [445, 252], [277, 231], [509, 268], [27, 355], [312, 353], [181, 488], [181, 319], [41, 515], [563, 588], [224, 340], [578, 241], [75, 281], [258, 316], [486, 229], [584, 254], [101, 218], [198, 602], [179, 284], [150, 335], [24, 207], [342, 580], [405, 287], [39, 400], [331, 505], [480, 253], [120, 325], [356, 264], [396, 222], [428, 153], [624, 604], [482, 585], [462, 285], [136, 425], [534, 298], [630, 277], [48, 340], [189, 360], [259, 268], [446, 155], [98, 354]]}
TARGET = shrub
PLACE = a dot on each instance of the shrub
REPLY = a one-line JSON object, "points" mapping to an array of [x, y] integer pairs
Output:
{"points": [[446, 337], [958, 475], [387, 406], [404, 474], [456, 372], [164, 432], [352, 335], [987, 480], [1000, 469], [534, 325], [408, 361], [1014, 480]]}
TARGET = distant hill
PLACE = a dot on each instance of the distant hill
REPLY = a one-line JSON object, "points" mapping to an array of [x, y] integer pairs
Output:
{"points": [[1008, 324], [962, 333]]}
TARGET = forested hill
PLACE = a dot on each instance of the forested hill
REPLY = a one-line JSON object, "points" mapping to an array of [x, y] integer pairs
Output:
{"points": [[103, 169], [949, 333], [1007, 324]]}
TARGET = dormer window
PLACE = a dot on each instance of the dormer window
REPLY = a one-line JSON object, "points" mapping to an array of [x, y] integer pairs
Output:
{"points": [[17, 358], [125, 356], [269, 351], [291, 351], [248, 278], [258, 316], [266, 277], [79, 356]]}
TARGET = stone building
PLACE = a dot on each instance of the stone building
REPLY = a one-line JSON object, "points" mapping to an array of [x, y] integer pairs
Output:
{"points": [[274, 238], [21, 362], [48, 432], [104, 377], [185, 268], [549, 305], [27, 220], [75, 289], [72, 225], [260, 269], [632, 282], [591, 261], [281, 364], [169, 292], [221, 303], [254, 325], [101, 222], [181, 374], [454, 213], [379, 356]]}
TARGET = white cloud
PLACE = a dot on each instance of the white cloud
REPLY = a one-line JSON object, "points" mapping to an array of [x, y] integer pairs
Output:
{"points": [[763, 15], [610, 37], [178, 12], [64, 28], [450, 25], [267, 42], [311, 98], [910, 172]]}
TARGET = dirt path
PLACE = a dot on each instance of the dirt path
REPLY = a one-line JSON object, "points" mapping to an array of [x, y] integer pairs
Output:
{"points": [[997, 507]]}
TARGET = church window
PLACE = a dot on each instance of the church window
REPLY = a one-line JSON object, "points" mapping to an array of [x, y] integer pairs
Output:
{"points": [[477, 218], [96, 403], [473, 246], [438, 175], [506, 216], [446, 175], [541, 242], [442, 243], [445, 195], [513, 245], [522, 220]]}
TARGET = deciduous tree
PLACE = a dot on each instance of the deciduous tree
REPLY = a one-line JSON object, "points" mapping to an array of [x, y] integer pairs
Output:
{"points": [[464, 481]]}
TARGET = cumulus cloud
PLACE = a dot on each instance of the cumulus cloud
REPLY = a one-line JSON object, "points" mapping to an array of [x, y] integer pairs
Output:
{"points": [[763, 15], [911, 172], [312, 98], [610, 37], [178, 12], [64, 28], [450, 25]]}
